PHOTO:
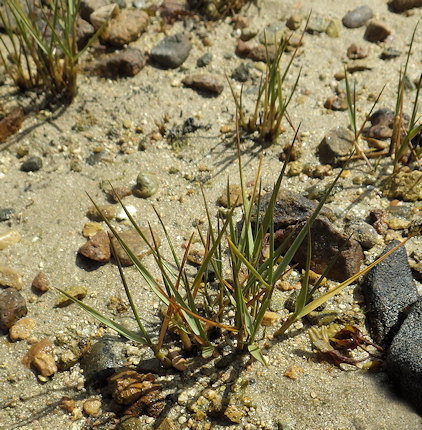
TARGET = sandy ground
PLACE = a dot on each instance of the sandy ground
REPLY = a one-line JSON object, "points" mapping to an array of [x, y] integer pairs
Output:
{"points": [[51, 207]]}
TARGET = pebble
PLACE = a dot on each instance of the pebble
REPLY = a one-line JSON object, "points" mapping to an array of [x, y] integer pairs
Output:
{"points": [[234, 414], [357, 17], [126, 27], [40, 355], [11, 123], [402, 5], [6, 214], [272, 34], [336, 102], [207, 82], [135, 243], [333, 28], [242, 72], [234, 197], [92, 407], [269, 319], [109, 212], [363, 232], [97, 248], [41, 282], [294, 22], [376, 31], [91, 228], [122, 215], [255, 53], [294, 168], [317, 24], [407, 186], [76, 291], [9, 238], [22, 329], [294, 372], [84, 32], [89, 6], [10, 278], [335, 145], [125, 63], [357, 52], [116, 193], [147, 185], [390, 53], [172, 51], [32, 164], [204, 60], [102, 14], [12, 307]]}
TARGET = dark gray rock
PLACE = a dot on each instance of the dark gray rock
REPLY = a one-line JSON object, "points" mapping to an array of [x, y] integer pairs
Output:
{"points": [[389, 53], [335, 145], [404, 357], [12, 307], [32, 164], [101, 361], [6, 213], [242, 72], [357, 17], [389, 291], [376, 31], [402, 5], [172, 51], [363, 232], [204, 60]]}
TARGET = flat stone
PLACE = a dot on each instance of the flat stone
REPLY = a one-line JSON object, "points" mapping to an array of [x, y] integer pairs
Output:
{"points": [[12, 308], [126, 27], [10, 278], [125, 63], [402, 5], [109, 212], [22, 329], [41, 282], [207, 82], [97, 248], [255, 53], [335, 145], [357, 17], [389, 291], [99, 17], [172, 51], [76, 291], [376, 31], [135, 243], [404, 357]]}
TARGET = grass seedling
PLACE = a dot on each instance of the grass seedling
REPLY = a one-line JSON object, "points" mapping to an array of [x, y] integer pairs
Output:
{"points": [[272, 101], [40, 48]]}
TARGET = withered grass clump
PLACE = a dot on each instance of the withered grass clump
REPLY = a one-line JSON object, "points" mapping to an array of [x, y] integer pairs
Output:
{"points": [[217, 9]]}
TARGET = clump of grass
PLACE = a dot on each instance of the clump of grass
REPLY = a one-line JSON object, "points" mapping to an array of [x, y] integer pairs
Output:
{"points": [[40, 49], [272, 101], [217, 9]]}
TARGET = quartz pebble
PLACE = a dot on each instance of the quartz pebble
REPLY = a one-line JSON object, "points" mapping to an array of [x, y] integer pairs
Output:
{"points": [[91, 228], [9, 238]]}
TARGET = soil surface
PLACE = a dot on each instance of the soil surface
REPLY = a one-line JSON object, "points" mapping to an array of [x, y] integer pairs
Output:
{"points": [[109, 133]]}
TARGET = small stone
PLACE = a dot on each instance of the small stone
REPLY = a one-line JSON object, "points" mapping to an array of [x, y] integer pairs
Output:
{"points": [[125, 63], [294, 168], [234, 414], [167, 424], [407, 186], [336, 102], [11, 123], [92, 407], [32, 164], [122, 215], [117, 193], [208, 82], [333, 28], [9, 238], [84, 32], [41, 282], [255, 53], [10, 278], [402, 5], [12, 308], [294, 372], [242, 72], [272, 34], [147, 185], [234, 197], [293, 22], [91, 228], [390, 53], [357, 52], [6, 214], [45, 364], [102, 15], [109, 212], [22, 329], [204, 60], [363, 232], [376, 31], [97, 248], [89, 6], [317, 24], [335, 145], [126, 27], [269, 319], [357, 17], [172, 51], [76, 291], [135, 243]]}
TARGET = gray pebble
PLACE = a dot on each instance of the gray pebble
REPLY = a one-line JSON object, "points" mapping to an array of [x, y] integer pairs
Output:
{"points": [[204, 60], [146, 185], [32, 164], [357, 17], [363, 232], [242, 72], [172, 51], [6, 214]]}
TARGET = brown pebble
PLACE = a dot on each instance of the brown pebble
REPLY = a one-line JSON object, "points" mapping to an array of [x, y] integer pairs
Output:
{"points": [[67, 404], [336, 102], [22, 329], [234, 197], [135, 243], [40, 355], [11, 123], [117, 193], [109, 211], [294, 372], [376, 31], [12, 308], [97, 248], [234, 414], [41, 282], [204, 82], [91, 228], [10, 278], [269, 319], [256, 53], [9, 238], [355, 52], [92, 407], [402, 5]]}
